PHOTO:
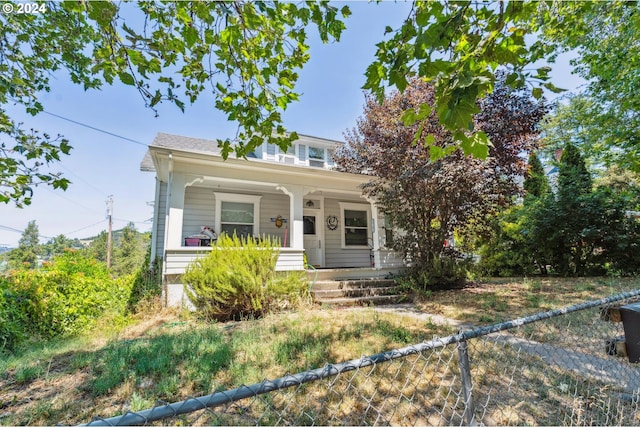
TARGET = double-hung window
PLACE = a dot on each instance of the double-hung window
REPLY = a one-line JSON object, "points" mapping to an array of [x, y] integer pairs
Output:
{"points": [[316, 157], [288, 156], [238, 213], [355, 217]]}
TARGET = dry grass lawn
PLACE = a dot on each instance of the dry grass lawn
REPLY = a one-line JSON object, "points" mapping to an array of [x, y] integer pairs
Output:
{"points": [[168, 356]]}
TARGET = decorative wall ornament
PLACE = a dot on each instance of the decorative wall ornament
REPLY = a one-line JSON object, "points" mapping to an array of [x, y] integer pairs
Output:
{"points": [[332, 222], [279, 221]]}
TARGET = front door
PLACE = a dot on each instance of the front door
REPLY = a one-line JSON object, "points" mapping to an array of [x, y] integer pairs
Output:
{"points": [[313, 239]]}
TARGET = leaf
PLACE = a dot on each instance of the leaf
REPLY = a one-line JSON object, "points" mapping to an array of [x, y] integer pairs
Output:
{"points": [[477, 145], [190, 35], [127, 78], [102, 12], [424, 111], [550, 86], [537, 92], [409, 117], [435, 153]]}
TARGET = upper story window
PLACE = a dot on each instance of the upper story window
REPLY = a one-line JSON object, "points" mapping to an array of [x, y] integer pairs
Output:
{"points": [[298, 154], [288, 156], [317, 157]]}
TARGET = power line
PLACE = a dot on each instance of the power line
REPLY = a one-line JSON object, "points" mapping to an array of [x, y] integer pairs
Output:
{"points": [[146, 222], [15, 230], [4, 227], [84, 228], [96, 129], [83, 180], [69, 200]]}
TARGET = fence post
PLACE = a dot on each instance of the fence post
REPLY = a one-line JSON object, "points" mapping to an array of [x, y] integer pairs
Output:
{"points": [[467, 386]]}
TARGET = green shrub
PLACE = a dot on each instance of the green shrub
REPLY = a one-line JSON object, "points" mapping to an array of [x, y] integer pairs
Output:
{"points": [[65, 297], [147, 285], [238, 280], [448, 271], [14, 322]]}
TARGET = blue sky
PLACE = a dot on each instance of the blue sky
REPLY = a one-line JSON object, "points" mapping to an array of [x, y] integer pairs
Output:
{"points": [[101, 165]]}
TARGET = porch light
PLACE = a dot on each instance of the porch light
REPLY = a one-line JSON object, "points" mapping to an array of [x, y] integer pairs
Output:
{"points": [[310, 203]]}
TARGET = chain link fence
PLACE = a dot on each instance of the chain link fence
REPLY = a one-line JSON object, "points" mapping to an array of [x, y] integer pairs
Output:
{"points": [[561, 367]]}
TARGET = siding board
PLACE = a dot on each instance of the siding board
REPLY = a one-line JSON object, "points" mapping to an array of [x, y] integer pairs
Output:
{"points": [[199, 210], [162, 219]]}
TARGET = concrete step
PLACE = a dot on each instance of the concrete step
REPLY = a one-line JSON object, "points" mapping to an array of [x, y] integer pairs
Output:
{"points": [[355, 292], [326, 285], [368, 300], [351, 273]]}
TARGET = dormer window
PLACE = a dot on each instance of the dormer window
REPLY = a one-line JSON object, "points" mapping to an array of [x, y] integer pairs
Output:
{"points": [[316, 157], [289, 156], [301, 154]]}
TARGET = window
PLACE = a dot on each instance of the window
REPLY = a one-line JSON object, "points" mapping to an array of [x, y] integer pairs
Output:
{"points": [[355, 218], [289, 156], [309, 224], [316, 157], [237, 213], [236, 218]]}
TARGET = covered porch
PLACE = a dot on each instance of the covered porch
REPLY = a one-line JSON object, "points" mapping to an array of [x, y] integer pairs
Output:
{"points": [[314, 213], [318, 217]]}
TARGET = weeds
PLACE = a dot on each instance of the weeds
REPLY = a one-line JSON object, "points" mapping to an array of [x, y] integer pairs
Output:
{"points": [[105, 376], [28, 373]]}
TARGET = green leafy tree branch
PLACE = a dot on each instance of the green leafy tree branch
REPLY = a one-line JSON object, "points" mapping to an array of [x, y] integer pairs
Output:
{"points": [[247, 55]]}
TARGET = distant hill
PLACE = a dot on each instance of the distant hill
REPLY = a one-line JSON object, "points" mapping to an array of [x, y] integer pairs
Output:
{"points": [[116, 235], [4, 249]]}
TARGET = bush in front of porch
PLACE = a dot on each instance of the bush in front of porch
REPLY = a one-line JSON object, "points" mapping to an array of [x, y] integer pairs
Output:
{"points": [[237, 279]]}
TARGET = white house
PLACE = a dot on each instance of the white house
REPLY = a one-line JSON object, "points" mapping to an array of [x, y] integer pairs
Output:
{"points": [[295, 196]]}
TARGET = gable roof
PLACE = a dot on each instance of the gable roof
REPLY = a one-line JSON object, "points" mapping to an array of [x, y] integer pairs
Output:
{"points": [[178, 142], [205, 146]]}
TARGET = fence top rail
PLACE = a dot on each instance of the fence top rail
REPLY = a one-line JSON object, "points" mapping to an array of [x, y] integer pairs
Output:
{"points": [[164, 410], [497, 327]]}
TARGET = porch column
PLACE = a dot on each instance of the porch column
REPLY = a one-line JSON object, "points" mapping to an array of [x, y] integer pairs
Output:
{"points": [[296, 229], [176, 209], [154, 225]]}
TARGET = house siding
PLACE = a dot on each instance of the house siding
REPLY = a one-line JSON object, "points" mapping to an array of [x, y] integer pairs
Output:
{"points": [[161, 219], [199, 210], [272, 205], [335, 255]]}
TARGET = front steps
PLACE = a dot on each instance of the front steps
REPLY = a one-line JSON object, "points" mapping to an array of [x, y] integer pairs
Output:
{"points": [[352, 291]]}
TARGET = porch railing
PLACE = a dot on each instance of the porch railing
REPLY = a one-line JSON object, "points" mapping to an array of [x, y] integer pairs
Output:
{"points": [[177, 259]]}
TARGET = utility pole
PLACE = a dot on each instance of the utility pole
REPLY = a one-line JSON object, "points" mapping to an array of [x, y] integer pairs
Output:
{"points": [[109, 218]]}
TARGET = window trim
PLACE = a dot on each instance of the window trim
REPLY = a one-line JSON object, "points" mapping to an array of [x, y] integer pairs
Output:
{"points": [[354, 207], [316, 159], [238, 198]]}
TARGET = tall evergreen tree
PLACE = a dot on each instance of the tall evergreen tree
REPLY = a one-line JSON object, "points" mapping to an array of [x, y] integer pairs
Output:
{"points": [[28, 250], [536, 183], [572, 233], [573, 178], [98, 247], [130, 253]]}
